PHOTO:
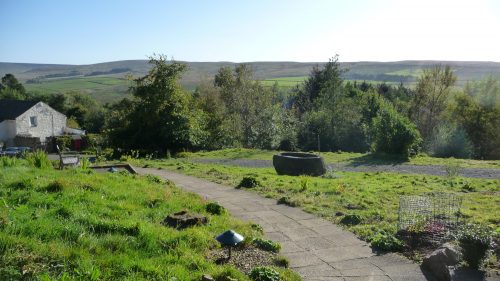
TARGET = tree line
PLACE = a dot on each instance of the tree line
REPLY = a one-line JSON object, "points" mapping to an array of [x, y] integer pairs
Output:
{"points": [[324, 113]]}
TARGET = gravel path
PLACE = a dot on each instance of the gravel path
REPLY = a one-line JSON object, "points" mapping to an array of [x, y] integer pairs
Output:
{"points": [[435, 170], [317, 249]]}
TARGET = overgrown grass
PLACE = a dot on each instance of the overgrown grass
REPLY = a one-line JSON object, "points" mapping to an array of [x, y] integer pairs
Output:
{"points": [[371, 197], [79, 225], [348, 157]]}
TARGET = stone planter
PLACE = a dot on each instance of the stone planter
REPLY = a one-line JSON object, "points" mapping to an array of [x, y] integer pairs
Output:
{"points": [[298, 163]]}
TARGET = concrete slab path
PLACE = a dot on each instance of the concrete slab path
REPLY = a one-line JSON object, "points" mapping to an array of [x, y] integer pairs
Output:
{"points": [[317, 249]]}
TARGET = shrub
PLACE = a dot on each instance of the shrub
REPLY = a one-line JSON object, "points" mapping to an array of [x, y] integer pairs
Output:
{"points": [[64, 142], [248, 182], [386, 242], [351, 219], [215, 208], [264, 273], [475, 240], [38, 159], [451, 141], [266, 245], [393, 133]]}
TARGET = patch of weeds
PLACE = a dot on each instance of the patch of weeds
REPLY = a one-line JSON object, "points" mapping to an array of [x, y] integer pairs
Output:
{"points": [[475, 240], [257, 227], [88, 187], [153, 203], [267, 245], [23, 184], [154, 179], [386, 242], [248, 182], [351, 219], [63, 212], [468, 187], [286, 200], [215, 208], [330, 174], [304, 183], [38, 159], [281, 261], [264, 273], [55, 186]]}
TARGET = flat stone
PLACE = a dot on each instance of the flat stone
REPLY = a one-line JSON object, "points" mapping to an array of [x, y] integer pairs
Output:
{"points": [[367, 278], [290, 247], [300, 233], [302, 259], [314, 222], [352, 264], [276, 236], [320, 270], [314, 243], [365, 271]]}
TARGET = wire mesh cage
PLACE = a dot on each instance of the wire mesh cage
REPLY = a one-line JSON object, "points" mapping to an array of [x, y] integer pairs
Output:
{"points": [[429, 219]]}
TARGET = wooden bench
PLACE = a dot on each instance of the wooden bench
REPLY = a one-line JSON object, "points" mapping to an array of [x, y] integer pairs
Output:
{"points": [[68, 160]]}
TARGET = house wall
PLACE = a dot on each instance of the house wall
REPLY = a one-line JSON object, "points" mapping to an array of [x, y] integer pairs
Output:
{"points": [[49, 122], [7, 132]]}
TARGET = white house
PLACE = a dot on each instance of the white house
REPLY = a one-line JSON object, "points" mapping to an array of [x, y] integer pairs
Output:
{"points": [[29, 119]]}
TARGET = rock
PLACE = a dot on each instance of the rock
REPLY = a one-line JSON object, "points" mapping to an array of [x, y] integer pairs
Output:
{"points": [[438, 262], [339, 214], [452, 252], [207, 277], [184, 219]]}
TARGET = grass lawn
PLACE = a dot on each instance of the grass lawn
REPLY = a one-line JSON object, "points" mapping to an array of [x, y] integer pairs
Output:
{"points": [[80, 225], [348, 157], [372, 196]]}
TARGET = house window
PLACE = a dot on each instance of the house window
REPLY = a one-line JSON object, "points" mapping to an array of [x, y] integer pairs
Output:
{"points": [[33, 121]]}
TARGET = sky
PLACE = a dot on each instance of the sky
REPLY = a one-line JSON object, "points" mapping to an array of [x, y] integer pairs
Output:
{"points": [[93, 31]]}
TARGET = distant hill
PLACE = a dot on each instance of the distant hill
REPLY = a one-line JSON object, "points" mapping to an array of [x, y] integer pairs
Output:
{"points": [[105, 81]]}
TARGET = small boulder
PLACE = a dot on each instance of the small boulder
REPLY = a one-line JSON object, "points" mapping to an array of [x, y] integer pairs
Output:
{"points": [[438, 262], [184, 219]]}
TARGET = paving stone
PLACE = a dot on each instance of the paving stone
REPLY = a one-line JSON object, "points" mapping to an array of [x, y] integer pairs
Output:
{"points": [[314, 243], [302, 259], [335, 254], [290, 247], [299, 233], [320, 270], [352, 264], [315, 223], [365, 271], [276, 236], [388, 260], [368, 278]]}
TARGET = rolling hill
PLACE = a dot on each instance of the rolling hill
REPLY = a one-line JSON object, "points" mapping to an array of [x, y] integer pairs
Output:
{"points": [[106, 81]]}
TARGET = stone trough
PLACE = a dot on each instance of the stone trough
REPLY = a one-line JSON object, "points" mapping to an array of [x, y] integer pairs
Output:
{"points": [[299, 163]]}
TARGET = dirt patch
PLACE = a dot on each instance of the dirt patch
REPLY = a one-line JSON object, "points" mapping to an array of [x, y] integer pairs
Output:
{"points": [[244, 258]]}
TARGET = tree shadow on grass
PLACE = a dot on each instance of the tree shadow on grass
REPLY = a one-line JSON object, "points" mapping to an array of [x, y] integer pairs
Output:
{"points": [[377, 159]]}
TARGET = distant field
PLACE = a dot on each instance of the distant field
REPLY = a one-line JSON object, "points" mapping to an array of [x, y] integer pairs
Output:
{"points": [[284, 82], [103, 89]]}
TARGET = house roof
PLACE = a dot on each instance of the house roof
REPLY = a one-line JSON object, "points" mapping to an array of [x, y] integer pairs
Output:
{"points": [[11, 109]]}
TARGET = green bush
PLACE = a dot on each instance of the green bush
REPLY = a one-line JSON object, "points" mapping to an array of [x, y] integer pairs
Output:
{"points": [[393, 133], [64, 142], [450, 141], [215, 208], [475, 240], [351, 219], [38, 159], [264, 273], [248, 182], [386, 242], [267, 245]]}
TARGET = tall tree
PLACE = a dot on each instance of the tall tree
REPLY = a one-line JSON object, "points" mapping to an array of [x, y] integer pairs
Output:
{"points": [[432, 92]]}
